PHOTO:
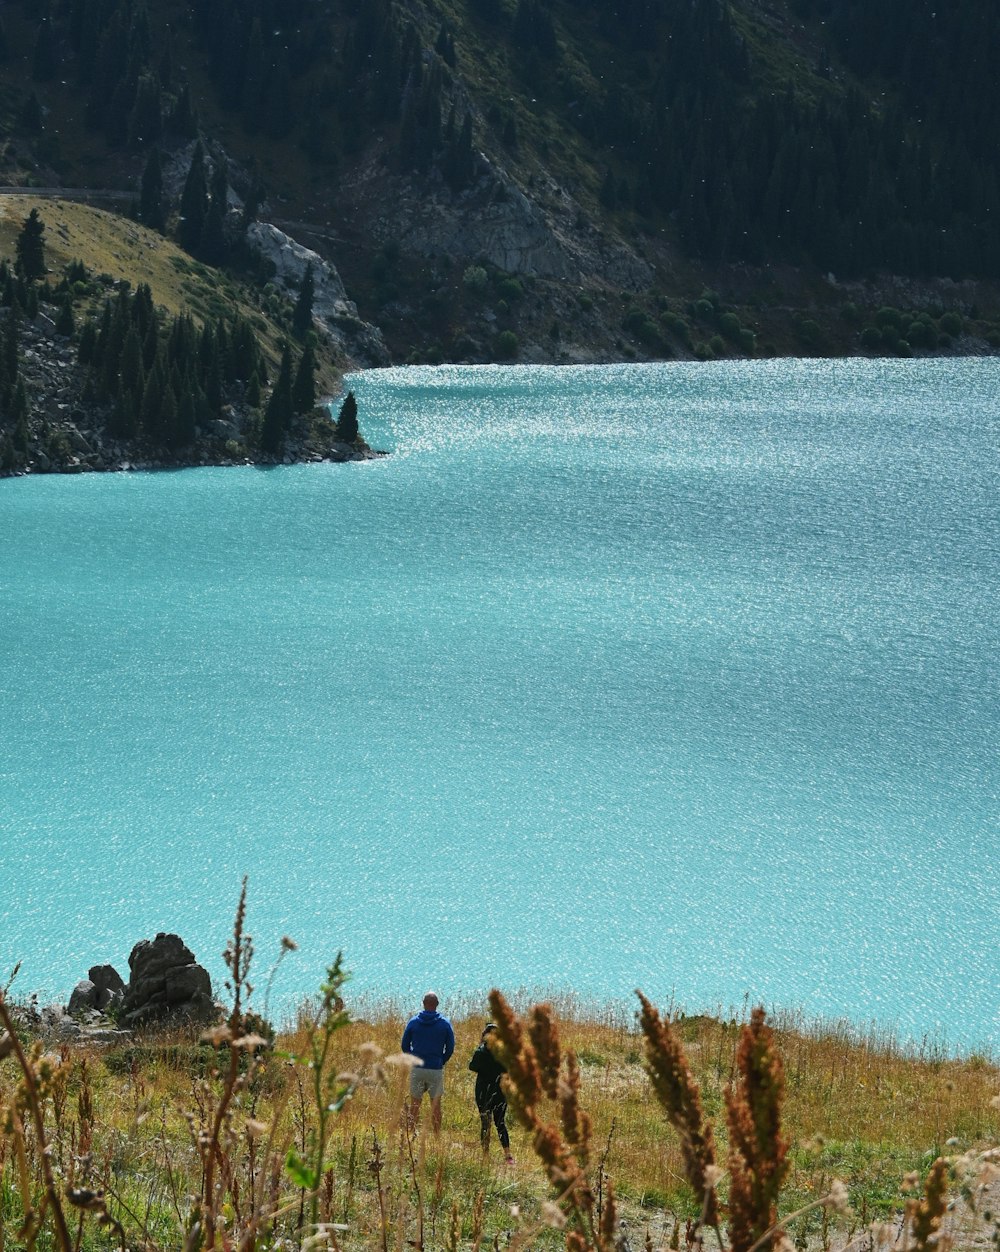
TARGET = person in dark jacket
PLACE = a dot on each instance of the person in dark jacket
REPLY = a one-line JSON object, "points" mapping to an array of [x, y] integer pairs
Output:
{"points": [[490, 1099], [430, 1038]]}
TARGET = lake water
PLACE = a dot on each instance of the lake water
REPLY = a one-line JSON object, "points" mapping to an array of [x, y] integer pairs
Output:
{"points": [[678, 676]]}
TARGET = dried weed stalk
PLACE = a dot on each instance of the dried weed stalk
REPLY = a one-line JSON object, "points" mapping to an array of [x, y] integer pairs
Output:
{"points": [[543, 1091]]}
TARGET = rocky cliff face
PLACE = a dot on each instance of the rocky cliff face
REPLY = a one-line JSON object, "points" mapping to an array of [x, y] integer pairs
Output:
{"points": [[358, 340], [541, 231]]}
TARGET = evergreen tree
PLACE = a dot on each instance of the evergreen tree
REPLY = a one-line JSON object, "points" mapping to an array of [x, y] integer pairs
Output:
{"points": [[212, 242], [151, 210], [346, 430], [46, 57], [304, 387], [18, 417], [65, 322], [253, 391], [182, 120], [31, 116], [194, 202], [145, 124], [131, 375], [9, 360], [86, 348], [30, 247], [302, 314], [280, 408]]}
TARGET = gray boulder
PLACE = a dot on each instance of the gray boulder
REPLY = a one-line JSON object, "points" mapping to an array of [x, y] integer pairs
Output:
{"points": [[83, 997], [166, 984], [106, 978]]}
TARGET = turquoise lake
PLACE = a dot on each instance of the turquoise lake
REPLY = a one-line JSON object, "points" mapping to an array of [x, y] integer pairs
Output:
{"points": [[680, 677]]}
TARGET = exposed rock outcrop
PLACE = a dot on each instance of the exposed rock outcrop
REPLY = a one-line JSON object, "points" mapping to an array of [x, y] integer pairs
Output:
{"points": [[336, 313], [166, 984], [544, 233]]}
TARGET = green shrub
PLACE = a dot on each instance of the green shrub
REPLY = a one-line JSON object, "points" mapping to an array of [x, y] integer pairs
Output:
{"points": [[920, 335], [507, 345], [952, 323], [718, 345], [809, 332], [871, 339], [704, 310], [475, 278], [677, 326], [510, 289], [729, 325], [887, 316], [747, 341]]}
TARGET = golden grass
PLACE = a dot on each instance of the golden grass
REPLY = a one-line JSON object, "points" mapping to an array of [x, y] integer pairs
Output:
{"points": [[112, 245], [157, 1131], [859, 1111]]}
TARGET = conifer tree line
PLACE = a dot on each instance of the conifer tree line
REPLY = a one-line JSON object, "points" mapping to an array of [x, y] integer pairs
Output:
{"points": [[164, 378], [877, 152], [156, 379]]}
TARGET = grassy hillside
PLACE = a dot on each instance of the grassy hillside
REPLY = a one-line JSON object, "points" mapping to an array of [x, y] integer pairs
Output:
{"points": [[120, 249], [126, 1122]]}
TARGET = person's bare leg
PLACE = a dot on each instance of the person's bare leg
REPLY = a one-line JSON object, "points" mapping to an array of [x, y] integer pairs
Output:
{"points": [[436, 1114], [413, 1113]]}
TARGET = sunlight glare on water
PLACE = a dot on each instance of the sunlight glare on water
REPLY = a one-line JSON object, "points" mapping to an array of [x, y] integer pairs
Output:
{"points": [[672, 676]]}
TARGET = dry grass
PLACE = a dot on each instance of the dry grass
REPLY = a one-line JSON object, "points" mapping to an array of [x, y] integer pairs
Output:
{"points": [[225, 1143], [121, 249]]}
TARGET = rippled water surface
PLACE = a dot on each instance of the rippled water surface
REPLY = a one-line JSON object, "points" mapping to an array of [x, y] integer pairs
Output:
{"points": [[679, 676]]}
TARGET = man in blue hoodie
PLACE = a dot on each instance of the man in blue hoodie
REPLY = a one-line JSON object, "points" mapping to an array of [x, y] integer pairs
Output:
{"points": [[430, 1038]]}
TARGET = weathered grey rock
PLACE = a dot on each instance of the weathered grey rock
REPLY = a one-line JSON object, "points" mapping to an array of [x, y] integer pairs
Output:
{"points": [[83, 996], [106, 978], [109, 1001], [166, 983], [77, 441], [223, 430], [56, 1021], [331, 306], [187, 983]]}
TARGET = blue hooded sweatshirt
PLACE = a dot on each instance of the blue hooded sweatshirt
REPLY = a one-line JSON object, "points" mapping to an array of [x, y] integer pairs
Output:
{"points": [[430, 1037]]}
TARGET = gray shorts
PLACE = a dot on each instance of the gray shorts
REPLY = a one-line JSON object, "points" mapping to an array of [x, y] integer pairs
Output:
{"points": [[429, 1080]]}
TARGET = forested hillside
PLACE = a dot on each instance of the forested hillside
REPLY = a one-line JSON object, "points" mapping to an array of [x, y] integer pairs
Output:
{"points": [[491, 173]]}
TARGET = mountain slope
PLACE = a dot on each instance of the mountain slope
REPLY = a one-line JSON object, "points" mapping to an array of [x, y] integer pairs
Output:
{"points": [[561, 179]]}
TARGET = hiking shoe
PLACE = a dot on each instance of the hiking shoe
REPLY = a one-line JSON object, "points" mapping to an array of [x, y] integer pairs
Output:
{"points": [[509, 1160]]}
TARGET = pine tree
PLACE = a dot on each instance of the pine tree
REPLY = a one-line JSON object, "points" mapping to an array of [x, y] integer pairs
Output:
{"points": [[194, 202], [304, 387], [302, 314], [346, 430], [145, 124], [45, 58], [279, 411], [9, 362], [253, 391], [18, 417], [30, 247], [151, 211], [65, 322], [88, 342]]}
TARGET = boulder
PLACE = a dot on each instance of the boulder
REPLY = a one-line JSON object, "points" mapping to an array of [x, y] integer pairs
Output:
{"points": [[166, 984], [83, 997], [110, 988]]}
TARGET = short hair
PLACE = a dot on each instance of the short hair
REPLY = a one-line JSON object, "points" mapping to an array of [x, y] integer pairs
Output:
{"points": [[430, 1000]]}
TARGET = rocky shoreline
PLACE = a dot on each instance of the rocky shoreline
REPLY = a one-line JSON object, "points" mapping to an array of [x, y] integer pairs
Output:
{"points": [[69, 435], [166, 988]]}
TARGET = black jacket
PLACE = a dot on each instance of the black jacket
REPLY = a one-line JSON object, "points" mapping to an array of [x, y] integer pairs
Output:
{"points": [[488, 1071]]}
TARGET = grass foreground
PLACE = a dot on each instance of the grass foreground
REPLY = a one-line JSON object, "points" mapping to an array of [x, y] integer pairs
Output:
{"points": [[662, 1131]]}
